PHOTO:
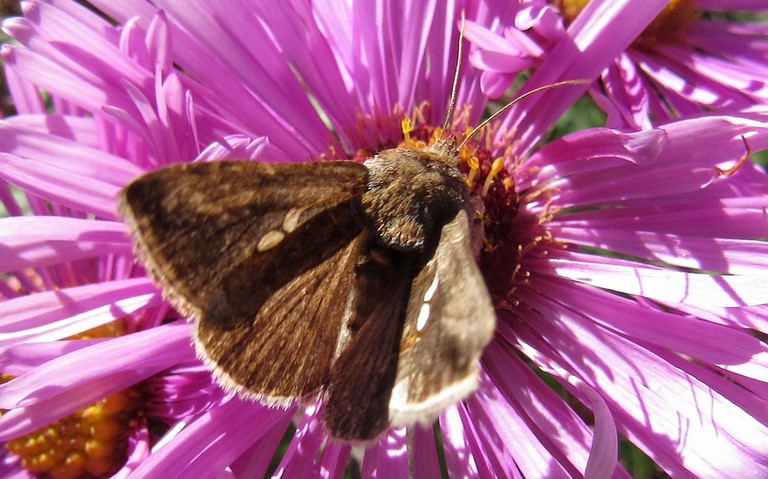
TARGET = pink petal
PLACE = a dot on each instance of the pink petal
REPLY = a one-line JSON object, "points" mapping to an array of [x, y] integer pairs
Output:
{"points": [[83, 376], [211, 442], [563, 436], [53, 315], [597, 36], [662, 284], [669, 414], [729, 256], [459, 458], [33, 241]]}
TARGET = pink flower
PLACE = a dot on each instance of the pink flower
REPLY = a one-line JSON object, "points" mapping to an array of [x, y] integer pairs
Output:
{"points": [[625, 267]]}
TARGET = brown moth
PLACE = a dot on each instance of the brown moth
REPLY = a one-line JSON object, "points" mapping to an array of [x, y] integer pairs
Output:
{"points": [[353, 282], [356, 282]]}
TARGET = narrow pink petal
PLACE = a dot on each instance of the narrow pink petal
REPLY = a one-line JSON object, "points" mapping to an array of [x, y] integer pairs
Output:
{"points": [[254, 462], [54, 30], [499, 63], [234, 146], [424, 452], [244, 61], [683, 85], [25, 95], [65, 153], [744, 79], [715, 139], [677, 420], [81, 130], [103, 359], [495, 84], [603, 457], [334, 459], [158, 45], [485, 39], [70, 382], [415, 26], [24, 420], [625, 86], [20, 358], [33, 241], [509, 441], [388, 457], [745, 392], [61, 82], [660, 284], [729, 256], [597, 36], [739, 42], [120, 11], [60, 185], [741, 218], [562, 434], [615, 186], [53, 315], [709, 342], [595, 150], [459, 458], [210, 443], [301, 456]]}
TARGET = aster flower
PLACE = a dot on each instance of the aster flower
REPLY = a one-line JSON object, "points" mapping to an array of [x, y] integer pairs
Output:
{"points": [[691, 55], [624, 267]]}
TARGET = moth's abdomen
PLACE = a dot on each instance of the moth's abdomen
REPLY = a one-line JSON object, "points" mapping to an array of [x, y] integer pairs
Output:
{"points": [[411, 194]]}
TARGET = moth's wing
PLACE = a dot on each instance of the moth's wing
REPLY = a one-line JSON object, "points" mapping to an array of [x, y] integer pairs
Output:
{"points": [[258, 252], [449, 321], [357, 399]]}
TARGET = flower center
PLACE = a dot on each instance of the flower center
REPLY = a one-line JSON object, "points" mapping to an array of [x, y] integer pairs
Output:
{"points": [[509, 237], [92, 442], [668, 27]]}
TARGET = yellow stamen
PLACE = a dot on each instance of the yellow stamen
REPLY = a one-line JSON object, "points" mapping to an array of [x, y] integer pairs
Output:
{"points": [[496, 167], [474, 166], [407, 128]]}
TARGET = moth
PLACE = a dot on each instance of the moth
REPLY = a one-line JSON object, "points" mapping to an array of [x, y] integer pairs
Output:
{"points": [[353, 282]]}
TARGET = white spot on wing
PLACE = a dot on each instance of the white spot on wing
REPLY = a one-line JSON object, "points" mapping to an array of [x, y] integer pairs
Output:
{"points": [[291, 220], [421, 321], [270, 240], [431, 290]]}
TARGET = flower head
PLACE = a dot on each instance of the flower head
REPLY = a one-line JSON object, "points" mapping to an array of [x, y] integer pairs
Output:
{"points": [[624, 266]]}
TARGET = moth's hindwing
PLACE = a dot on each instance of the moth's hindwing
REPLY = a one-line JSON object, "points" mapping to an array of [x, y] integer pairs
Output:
{"points": [[357, 400], [246, 248], [449, 321]]}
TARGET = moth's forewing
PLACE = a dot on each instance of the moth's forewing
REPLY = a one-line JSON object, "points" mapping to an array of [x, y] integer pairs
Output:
{"points": [[357, 400], [286, 349], [449, 321], [238, 245]]}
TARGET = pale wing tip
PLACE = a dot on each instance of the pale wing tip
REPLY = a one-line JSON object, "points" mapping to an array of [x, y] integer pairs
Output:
{"points": [[405, 413]]}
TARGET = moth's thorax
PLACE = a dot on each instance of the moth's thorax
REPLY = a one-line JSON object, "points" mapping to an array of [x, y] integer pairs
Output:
{"points": [[411, 194]]}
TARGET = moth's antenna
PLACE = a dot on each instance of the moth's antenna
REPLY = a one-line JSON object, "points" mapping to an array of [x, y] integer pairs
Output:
{"points": [[452, 100], [516, 100]]}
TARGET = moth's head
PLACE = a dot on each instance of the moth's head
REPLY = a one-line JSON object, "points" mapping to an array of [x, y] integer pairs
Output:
{"points": [[446, 147]]}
